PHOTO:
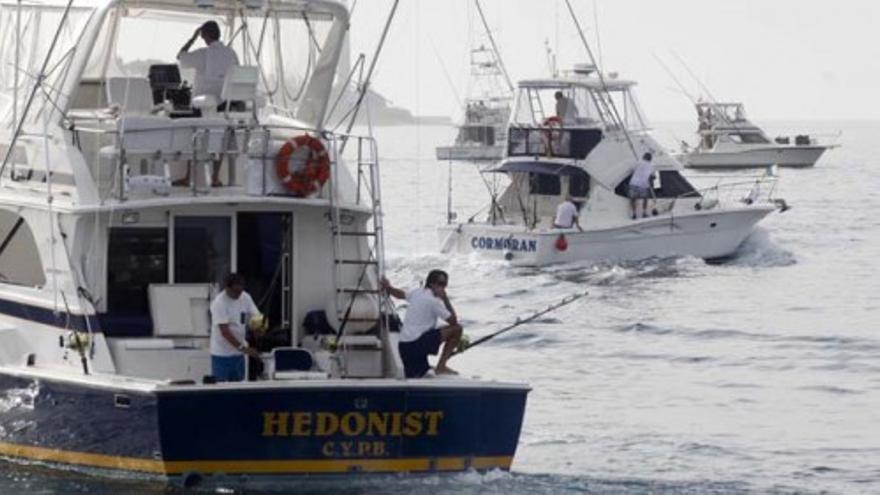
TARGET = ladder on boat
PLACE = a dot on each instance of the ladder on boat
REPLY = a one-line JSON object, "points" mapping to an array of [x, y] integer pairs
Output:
{"points": [[357, 266], [536, 106]]}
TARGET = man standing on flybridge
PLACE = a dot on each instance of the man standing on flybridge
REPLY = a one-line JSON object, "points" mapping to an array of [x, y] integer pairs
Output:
{"points": [[211, 64]]}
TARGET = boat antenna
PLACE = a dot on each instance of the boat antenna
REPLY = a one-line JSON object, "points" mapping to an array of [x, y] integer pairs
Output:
{"points": [[365, 85], [494, 47], [520, 321], [551, 59], [38, 84], [610, 102], [598, 37]]}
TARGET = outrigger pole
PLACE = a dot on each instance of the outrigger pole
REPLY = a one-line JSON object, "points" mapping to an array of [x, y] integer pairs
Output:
{"points": [[521, 321], [610, 102], [494, 47], [365, 85], [705, 89], [41, 76]]}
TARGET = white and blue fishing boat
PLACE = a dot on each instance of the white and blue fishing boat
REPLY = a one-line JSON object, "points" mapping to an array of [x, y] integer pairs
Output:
{"points": [[589, 156], [108, 260]]}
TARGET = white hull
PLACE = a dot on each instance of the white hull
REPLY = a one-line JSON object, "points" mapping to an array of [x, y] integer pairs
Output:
{"points": [[783, 156], [467, 153], [707, 234]]}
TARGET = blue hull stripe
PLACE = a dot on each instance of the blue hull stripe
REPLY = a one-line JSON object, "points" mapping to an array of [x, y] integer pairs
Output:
{"points": [[46, 316]]}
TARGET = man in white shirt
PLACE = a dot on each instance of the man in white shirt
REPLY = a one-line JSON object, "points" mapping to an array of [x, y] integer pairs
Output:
{"points": [[640, 186], [567, 215], [420, 335], [231, 311], [211, 64]]}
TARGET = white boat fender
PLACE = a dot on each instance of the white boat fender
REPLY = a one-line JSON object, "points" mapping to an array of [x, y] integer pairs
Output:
{"points": [[706, 205]]}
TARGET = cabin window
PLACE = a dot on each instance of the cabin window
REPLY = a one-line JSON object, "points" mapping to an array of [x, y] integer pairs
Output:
{"points": [[579, 185], [202, 249], [137, 257], [749, 138], [484, 135], [544, 184], [19, 257], [673, 185]]}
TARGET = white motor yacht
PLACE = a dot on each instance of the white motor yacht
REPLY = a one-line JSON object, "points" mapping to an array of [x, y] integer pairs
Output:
{"points": [[109, 257], [729, 140], [589, 154]]}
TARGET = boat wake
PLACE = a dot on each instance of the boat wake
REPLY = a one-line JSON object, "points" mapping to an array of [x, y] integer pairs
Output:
{"points": [[504, 483], [759, 251]]}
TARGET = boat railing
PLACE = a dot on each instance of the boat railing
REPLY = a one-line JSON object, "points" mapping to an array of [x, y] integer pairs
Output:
{"points": [[154, 157], [725, 191], [552, 141]]}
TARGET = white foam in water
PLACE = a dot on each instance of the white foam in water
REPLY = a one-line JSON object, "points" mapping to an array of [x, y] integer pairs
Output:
{"points": [[759, 250]]}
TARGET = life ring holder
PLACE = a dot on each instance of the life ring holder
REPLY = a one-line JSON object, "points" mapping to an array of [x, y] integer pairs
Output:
{"points": [[312, 175], [552, 133]]}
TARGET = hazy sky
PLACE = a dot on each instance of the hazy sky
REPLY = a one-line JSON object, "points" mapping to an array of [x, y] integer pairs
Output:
{"points": [[786, 59]]}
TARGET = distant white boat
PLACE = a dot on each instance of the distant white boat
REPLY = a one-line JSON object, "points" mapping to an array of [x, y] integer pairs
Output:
{"points": [[589, 154], [729, 140], [483, 133]]}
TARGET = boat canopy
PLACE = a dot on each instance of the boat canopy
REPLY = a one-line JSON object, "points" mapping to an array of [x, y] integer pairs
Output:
{"points": [[585, 103], [288, 40], [539, 167]]}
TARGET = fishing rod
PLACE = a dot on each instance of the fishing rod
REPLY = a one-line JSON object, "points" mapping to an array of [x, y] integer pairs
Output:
{"points": [[712, 99], [675, 79], [520, 321]]}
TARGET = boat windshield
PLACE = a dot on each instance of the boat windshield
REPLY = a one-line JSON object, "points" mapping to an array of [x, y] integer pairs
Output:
{"points": [[282, 39], [575, 105], [284, 47], [26, 34]]}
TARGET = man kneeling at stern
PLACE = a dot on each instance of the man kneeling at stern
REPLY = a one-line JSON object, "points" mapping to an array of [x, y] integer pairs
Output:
{"points": [[420, 335]]}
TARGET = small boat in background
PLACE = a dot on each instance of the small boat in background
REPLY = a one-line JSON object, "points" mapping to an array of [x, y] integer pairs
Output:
{"points": [[483, 134], [730, 140]]}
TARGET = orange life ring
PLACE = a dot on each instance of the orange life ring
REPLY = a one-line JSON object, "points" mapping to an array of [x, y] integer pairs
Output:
{"points": [[553, 132], [315, 171]]}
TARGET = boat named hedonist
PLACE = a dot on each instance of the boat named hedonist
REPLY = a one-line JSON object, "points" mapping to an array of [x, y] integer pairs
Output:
{"points": [[108, 264]]}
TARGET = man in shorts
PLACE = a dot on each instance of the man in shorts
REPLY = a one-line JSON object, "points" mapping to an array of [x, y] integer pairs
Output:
{"points": [[420, 335], [231, 311], [640, 186]]}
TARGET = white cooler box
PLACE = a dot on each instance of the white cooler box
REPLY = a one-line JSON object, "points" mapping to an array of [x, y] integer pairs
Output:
{"points": [[361, 356]]}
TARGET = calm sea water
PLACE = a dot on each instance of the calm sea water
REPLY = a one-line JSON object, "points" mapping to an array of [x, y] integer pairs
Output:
{"points": [[758, 375]]}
